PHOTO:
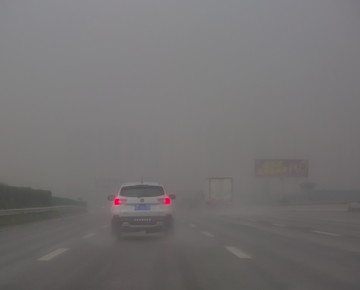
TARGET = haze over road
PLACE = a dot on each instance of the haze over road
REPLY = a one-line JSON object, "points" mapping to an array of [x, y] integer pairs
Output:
{"points": [[177, 91]]}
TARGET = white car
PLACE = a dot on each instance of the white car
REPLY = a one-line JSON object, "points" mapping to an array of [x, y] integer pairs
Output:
{"points": [[142, 207]]}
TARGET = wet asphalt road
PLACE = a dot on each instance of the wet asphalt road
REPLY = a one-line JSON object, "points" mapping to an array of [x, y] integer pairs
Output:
{"points": [[210, 250]]}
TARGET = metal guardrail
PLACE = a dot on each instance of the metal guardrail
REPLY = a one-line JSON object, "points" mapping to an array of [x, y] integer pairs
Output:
{"points": [[60, 209]]}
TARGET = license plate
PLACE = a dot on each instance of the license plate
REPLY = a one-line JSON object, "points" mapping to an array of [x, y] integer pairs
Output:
{"points": [[142, 207]]}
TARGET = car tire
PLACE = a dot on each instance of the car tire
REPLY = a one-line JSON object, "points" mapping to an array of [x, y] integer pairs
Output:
{"points": [[169, 230], [119, 234], [113, 231]]}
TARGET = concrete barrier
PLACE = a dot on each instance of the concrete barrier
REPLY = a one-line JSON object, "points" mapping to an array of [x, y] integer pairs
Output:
{"points": [[59, 209], [26, 215]]}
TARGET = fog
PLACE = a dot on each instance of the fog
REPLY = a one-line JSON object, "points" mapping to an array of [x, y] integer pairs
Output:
{"points": [[177, 91]]}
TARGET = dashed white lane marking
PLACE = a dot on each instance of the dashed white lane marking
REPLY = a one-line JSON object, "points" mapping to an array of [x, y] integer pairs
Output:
{"points": [[88, 235], [238, 253], [53, 254], [207, 234], [326, 233], [279, 225], [105, 226], [192, 225]]}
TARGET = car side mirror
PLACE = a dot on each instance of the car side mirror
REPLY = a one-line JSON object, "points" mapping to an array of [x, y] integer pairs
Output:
{"points": [[172, 196], [111, 197]]}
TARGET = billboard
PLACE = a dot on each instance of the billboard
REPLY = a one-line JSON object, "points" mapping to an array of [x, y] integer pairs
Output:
{"points": [[281, 168]]}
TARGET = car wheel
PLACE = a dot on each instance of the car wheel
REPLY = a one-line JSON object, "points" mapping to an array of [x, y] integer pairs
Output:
{"points": [[169, 230], [113, 231], [119, 234]]}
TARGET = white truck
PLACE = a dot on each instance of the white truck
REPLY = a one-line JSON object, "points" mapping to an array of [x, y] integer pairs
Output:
{"points": [[219, 191]]}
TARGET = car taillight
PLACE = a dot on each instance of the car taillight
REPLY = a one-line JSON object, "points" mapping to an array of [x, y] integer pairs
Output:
{"points": [[119, 201], [165, 200]]}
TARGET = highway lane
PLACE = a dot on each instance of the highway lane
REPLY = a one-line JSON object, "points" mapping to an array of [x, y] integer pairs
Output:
{"points": [[208, 251], [336, 222], [299, 257]]}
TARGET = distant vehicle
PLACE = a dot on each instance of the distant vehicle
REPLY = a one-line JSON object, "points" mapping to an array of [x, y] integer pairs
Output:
{"points": [[142, 207], [219, 191]]}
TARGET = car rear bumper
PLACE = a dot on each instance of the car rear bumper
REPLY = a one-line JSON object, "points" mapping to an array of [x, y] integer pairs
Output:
{"points": [[141, 223]]}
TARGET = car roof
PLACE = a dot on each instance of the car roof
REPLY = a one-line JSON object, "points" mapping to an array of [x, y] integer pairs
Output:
{"points": [[141, 183]]}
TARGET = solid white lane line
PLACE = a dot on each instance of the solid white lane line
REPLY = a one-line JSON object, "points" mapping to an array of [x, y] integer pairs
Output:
{"points": [[192, 225], [279, 225], [238, 253], [53, 254], [88, 235], [207, 234], [326, 233]]}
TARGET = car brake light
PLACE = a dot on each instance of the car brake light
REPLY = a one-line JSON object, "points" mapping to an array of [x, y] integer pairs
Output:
{"points": [[165, 200], [119, 201]]}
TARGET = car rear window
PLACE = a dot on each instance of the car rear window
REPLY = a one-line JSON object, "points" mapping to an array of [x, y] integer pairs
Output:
{"points": [[142, 191]]}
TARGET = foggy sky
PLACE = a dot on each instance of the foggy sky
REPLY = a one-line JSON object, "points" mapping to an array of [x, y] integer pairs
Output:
{"points": [[177, 91]]}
